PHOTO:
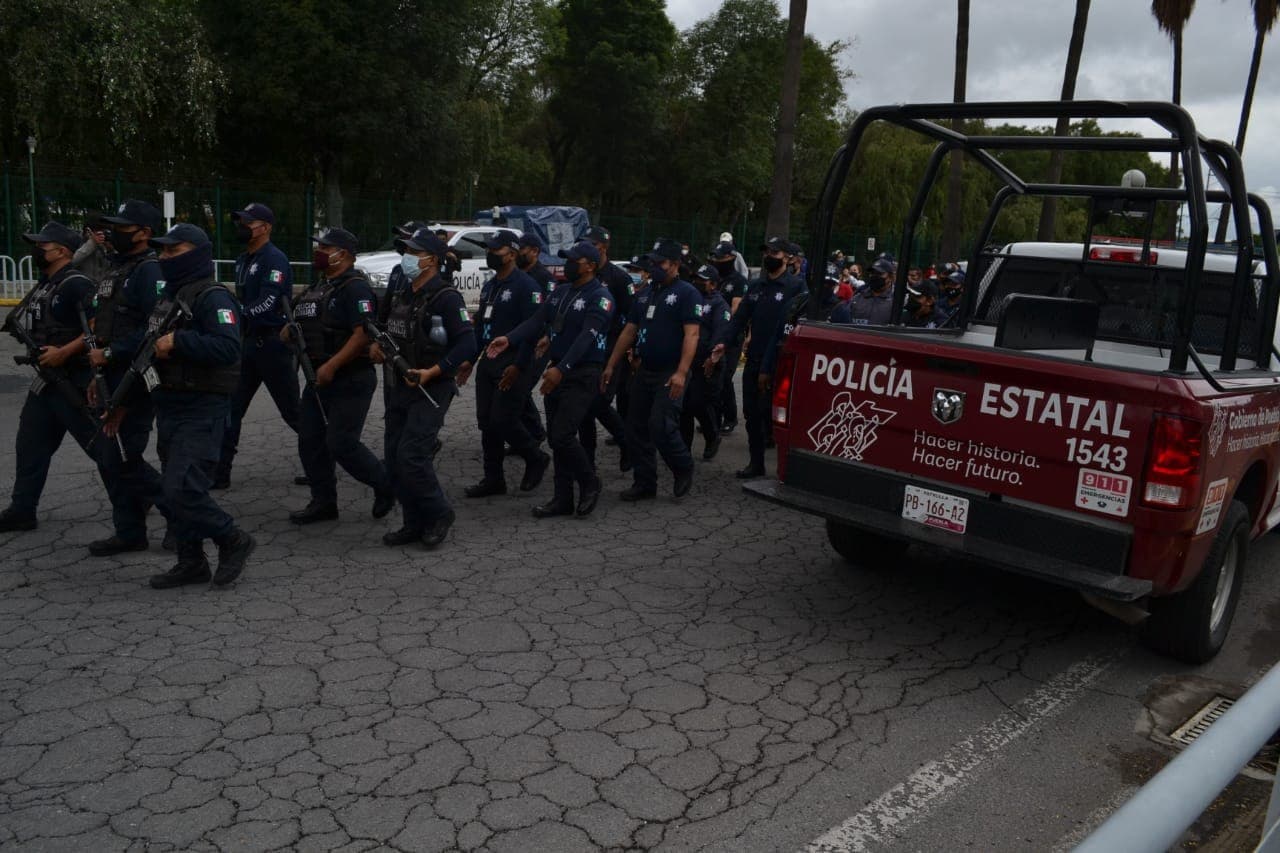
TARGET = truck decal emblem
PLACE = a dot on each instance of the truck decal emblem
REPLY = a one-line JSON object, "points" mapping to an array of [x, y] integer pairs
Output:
{"points": [[848, 430], [948, 405], [1217, 429]]}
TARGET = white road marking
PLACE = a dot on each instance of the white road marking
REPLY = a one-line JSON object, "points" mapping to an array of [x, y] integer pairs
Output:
{"points": [[937, 781]]}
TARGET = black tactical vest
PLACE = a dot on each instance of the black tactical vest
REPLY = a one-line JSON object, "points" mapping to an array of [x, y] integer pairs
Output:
{"points": [[410, 311], [179, 374], [322, 333], [115, 317], [45, 328]]}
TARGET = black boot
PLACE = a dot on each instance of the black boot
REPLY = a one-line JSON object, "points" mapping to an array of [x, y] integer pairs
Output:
{"points": [[438, 530], [233, 552], [534, 470], [12, 519], [314, 511], [115, 545], [383, 503], [486, 488], [638, 493], [192, 567], [404, 536], [553, 507], [588, 497]]}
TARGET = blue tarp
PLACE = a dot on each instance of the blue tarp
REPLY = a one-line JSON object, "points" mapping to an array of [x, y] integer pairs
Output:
{"points": [[557, 226]]}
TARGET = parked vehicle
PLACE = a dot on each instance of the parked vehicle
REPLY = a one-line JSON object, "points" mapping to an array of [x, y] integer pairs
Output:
{"points": [[1103, 415], [466, 241]]}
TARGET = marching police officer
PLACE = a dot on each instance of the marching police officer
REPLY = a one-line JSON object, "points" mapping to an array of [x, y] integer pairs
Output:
{"points": [[733, 286], [430, 325], [579, 313], [664, 328], [51, 314], [502, 384], [761, 311], [873, 304], [702, 399], [198, 366], [264, 280], [622, 290], [331, 317], [125, 300], [395, 283], [528, 260]]}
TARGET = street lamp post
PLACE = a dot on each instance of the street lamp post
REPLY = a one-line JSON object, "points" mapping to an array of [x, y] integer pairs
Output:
{"points": [[31, 170]]}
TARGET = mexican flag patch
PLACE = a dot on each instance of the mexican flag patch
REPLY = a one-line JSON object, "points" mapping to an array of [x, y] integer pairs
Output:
{"points": [[697, 310], [364, 306], [606, 304], [462, 312], [226, 317], [537, 298], [275, 277], [159, 287]]}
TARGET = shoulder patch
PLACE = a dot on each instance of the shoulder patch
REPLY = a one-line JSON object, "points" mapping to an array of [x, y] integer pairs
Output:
{"points": [[364, 306], [606, 304], [226, 317], [275, 277], [462, 312], [159, 285], [536, 296]]}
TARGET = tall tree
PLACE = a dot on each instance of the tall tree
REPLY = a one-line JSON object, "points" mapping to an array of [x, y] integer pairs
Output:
{"points": [[1265, 13], [950, 249], [1049, 209], [778, 220], [1172, 16]]}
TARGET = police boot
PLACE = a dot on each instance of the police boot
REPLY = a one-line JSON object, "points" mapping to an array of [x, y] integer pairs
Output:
{"points": [[747, 473], [534, 471], [438, 530], [558, 505], [233, 552], [192, 567], [588, 498], [636, 492], [486, 488], [404, 536], [383, 503], [13, 519], [115, 545], [684, 482], [314, 511]]}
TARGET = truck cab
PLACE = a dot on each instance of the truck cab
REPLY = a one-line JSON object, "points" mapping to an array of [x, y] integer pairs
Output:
{"points": [[1102, 414]]}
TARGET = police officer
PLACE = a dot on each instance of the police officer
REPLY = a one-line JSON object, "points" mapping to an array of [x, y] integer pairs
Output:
{"points": [[125, 300], [797, 309], [873, 304], [702, 399], [395, 283], [622, 290], [52, 313], [918, 311], [198, 365], [579, 313], [431, 327], [507, 299], [951, 287], [528, 260], [664, 328], [733, 286], [264, 280], [331, 317], [760, 313]]}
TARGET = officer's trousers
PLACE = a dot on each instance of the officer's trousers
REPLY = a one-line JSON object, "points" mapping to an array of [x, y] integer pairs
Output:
{"points": [[653, 424], [567, 407], [728, 398], [346, 403], [192, 438], [499, 415], [265, 360], [755, 408], [413, 425], [602, 410], [128, 506], [702, 404], [45, 419]]}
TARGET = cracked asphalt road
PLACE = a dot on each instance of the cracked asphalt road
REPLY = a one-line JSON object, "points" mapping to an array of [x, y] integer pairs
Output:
{"points": [[702, 674]]}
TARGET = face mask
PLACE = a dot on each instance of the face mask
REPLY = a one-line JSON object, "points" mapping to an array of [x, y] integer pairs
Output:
{"points": [[572, 269], [951, 292], [658, 276], [524, 261], [121, 242], [187, 266], [41, 258], [410, 266], [493, 260], [321, 260], [724, 267], [244, 233], [773, 264]]}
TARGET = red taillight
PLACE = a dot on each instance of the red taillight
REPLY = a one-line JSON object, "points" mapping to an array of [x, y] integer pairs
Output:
{"points": [[1125, 256], [782, 378], [1172, 477]]}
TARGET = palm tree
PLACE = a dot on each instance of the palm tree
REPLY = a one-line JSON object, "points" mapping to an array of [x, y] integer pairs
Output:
{"points": [[951, 220], [779, 218], [1049, 209], [1265, 13], [1172, 16]]}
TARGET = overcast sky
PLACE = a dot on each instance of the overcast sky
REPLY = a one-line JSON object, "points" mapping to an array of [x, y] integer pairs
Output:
{"points": [[904, 51]]}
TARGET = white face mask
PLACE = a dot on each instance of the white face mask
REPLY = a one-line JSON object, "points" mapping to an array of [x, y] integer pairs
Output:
{"points": [[409, 265]]}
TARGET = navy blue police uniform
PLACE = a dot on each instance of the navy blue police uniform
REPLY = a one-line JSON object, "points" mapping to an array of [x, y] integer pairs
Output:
{"points": [[733, 285], [578, 317], [193, 404], [622, 291], [264, 280], [702, 397], [530, 417], [329, 313], [432, 328], [505, 303], [661, 318]]}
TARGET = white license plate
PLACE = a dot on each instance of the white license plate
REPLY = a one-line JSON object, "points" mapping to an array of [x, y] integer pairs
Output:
{"points": [[935, 509]]}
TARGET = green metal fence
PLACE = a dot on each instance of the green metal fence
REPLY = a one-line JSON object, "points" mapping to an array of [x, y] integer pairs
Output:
{"points": [[68, 197]]}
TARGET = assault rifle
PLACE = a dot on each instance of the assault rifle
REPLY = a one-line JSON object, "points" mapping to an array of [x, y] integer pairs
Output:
{"points": [[399, 364], [46, 377], [304, 360], [99, 381]]}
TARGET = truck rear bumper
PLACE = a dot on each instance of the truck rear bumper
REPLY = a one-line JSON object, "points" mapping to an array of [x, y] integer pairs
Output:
{"points": [[1065, 550]]}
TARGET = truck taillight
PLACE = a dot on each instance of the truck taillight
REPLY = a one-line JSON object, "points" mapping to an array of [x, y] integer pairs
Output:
{"points": [[1172, 477], [1127, 256], [782, 387]]}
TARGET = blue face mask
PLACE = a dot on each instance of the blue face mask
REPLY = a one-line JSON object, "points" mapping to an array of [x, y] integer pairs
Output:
{"points": [[409, 266]]}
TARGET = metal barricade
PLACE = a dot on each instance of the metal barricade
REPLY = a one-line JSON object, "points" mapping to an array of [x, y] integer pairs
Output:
{"points": [[1164, 807], [17, 276]]}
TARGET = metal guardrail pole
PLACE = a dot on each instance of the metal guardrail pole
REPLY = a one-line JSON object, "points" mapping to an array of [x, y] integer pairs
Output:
{"points": [[1164, 807], [1271, 827]]}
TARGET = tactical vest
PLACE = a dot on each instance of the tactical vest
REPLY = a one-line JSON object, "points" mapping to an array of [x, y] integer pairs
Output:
{"points": [[179, 374], [422, 348], [45, 328], [116, 318], [322, 333]]}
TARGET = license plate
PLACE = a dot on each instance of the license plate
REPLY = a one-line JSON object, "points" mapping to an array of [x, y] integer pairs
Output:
{"points": [[935, 509]]}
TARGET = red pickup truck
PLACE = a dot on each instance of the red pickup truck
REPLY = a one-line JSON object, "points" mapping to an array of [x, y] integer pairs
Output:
{"points": [[1101, 415]]}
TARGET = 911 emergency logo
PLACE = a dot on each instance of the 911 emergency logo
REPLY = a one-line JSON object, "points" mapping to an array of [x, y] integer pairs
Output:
{"points": [[847, 431]]}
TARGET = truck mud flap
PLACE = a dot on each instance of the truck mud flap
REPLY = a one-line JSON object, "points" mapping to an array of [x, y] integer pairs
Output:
{"points": [[1037, 565]]}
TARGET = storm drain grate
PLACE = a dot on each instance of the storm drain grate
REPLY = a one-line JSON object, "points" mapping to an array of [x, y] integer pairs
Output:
{"points": [[1213, 710]]}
